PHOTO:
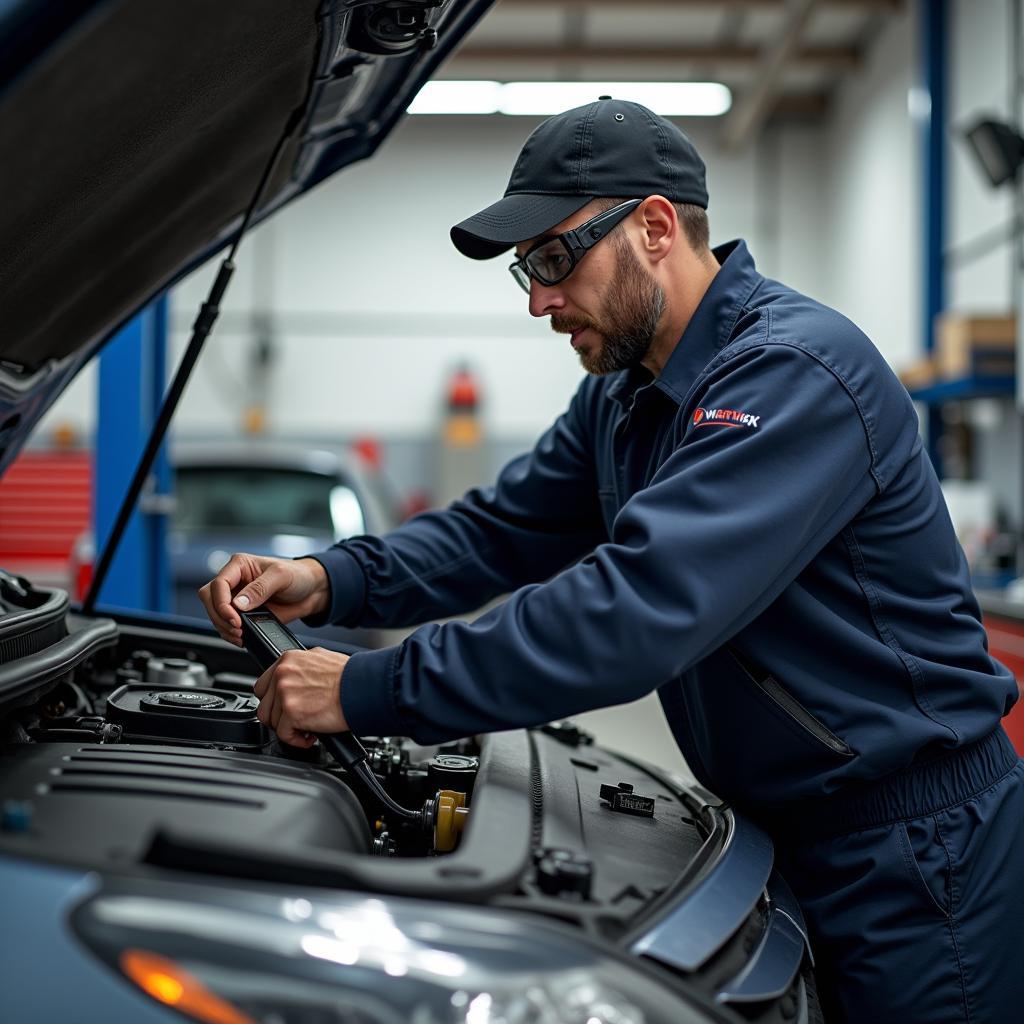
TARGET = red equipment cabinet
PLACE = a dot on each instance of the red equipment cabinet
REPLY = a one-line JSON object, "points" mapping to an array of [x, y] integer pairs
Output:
{"points": [[1006, 643], [45, 504]]}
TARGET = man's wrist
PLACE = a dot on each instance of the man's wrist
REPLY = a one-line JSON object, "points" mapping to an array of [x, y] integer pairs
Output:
{"points": [[346, 588], [321, 589], [341, 676]]}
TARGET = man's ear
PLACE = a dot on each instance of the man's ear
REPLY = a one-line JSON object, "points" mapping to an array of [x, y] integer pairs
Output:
{"points": [[659, 227]]}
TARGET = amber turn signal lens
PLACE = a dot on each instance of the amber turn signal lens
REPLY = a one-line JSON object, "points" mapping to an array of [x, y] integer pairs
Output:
{"points": [[172, 985]]}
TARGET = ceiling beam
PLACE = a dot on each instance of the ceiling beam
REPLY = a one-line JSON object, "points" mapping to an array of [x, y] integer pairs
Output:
{"points": [[744, 121], [837, 57], [730, 28], [801, 106]]}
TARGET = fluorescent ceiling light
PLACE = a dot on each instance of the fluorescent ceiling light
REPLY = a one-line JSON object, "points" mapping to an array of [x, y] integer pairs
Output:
{"points": [[686, 99], [696, 99], [457, 98]]}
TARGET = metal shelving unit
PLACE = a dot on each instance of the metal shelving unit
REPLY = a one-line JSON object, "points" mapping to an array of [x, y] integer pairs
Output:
{"points": [[965, 389]]}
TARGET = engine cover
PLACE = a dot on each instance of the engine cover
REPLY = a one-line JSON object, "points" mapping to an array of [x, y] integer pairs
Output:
{"points": [[99, 805]]}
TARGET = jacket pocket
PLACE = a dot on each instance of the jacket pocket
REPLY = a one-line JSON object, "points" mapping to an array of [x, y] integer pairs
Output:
{"points": [[789, 705]]}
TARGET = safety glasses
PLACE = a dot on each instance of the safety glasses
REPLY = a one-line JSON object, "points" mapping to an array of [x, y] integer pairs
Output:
{"points": [[553, 259]]}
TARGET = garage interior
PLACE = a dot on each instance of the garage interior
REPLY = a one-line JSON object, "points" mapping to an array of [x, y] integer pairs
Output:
{"points": [[785, 502], [353, 326]]}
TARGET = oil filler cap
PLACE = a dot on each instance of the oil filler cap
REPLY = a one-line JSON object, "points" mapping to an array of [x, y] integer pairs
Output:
{"points": [[621, 798], [228, 717], [191, 699]]}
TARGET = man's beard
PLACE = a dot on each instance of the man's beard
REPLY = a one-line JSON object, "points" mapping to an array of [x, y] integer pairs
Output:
{"points": [[629, 317]]}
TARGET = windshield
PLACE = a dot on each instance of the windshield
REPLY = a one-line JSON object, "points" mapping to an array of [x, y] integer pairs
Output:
{"points": [[259, 499]]}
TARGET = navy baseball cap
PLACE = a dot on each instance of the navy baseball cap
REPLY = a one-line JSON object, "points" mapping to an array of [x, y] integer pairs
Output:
{"points": [[607, 148]]}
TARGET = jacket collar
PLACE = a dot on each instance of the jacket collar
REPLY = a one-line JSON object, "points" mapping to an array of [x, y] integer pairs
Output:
{"points": [[706, 334]]}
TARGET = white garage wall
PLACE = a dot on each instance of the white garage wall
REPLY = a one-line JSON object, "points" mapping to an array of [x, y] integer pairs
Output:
{"points": [[979, 86], [369, 253], [374, 306], [874, 197], [980, 82], [75, 409], [875, 204], [872, 215]]}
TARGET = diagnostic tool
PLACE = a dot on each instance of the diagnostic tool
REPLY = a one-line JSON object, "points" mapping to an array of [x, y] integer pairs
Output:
{"points": [[266, 638]]}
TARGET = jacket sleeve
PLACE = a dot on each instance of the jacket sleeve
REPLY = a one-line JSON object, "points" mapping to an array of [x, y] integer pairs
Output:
{"points": [[543, 514], [728, 521]]}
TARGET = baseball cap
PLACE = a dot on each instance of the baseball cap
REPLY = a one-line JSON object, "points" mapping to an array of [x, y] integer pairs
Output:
{"points": [[606, 148]]}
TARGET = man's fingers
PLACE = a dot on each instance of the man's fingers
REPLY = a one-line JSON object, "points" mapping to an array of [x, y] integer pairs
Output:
{"points": [[247, 582], [299, 695], [221, 588], [287, 707], [263, 683], [269, 711], [276, 709], [216, 597], [274, 578], [287, 733], [263, 711]]}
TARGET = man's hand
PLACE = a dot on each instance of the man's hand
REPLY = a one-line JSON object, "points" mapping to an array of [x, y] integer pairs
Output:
{"points": [[298, 588], [300, 695]]}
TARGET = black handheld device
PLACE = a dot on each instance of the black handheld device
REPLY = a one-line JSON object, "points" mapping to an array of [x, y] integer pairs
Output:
{"points": [[266, 638]]}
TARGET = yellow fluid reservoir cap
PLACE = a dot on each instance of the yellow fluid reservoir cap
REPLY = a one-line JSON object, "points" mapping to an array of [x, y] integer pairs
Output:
{"points": [[449, 819]]}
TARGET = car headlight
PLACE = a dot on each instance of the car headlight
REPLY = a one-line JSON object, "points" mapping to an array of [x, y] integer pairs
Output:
{"points": [[223, 956]]}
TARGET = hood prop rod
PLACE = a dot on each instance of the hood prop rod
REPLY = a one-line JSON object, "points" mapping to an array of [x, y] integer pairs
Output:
{"points": [[205, 319]]}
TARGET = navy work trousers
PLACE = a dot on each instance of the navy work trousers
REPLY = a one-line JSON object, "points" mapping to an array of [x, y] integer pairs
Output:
{"points": [[913, 891]]}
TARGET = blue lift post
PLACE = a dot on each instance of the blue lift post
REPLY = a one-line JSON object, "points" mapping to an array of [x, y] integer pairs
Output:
{"points": [[934, 21], [131, 385]]}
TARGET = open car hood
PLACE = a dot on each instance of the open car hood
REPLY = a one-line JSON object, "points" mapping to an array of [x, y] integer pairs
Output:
{"points": [[134, 135]]}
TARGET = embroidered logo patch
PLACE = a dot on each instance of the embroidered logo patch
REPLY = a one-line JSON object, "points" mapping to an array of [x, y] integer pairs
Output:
{"points": [[724, 418]]}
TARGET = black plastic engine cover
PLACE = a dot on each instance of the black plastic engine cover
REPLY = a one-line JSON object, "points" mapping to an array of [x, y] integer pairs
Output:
{"points": [[98, 805], [145, 712]]}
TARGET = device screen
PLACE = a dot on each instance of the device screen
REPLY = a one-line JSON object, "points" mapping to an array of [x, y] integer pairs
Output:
{"points": [[276, 633]]}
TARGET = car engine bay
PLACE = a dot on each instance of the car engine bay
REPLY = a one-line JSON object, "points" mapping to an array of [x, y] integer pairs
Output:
{"points": [[127, 744], [133, 750]]}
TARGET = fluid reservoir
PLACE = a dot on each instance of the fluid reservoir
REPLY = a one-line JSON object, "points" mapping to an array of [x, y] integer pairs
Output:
{"points": [[453, 771]]}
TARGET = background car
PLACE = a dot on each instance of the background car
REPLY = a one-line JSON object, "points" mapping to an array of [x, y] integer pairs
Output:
{"points": [[264, 498]]}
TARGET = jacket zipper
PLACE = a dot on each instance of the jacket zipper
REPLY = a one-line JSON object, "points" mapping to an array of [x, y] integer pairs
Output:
{"points": [[783, 699]]}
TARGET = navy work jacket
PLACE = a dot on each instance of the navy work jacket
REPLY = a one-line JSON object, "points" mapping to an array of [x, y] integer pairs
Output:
{"points": [[756, 533]]}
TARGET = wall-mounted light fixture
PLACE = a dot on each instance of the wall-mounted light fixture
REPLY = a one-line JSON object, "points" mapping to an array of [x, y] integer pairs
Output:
{"points": [[998, 148]]}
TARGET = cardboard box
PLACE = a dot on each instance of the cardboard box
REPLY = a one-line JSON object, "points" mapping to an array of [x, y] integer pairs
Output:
{"points": [[919, 375], [975, 346]]}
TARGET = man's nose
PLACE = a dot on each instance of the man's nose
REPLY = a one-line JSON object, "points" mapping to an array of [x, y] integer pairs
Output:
{"points": [[545, 299]]}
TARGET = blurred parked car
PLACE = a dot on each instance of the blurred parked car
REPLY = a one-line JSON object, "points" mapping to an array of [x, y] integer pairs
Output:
{"points": [[266, 499], [262, 497]]}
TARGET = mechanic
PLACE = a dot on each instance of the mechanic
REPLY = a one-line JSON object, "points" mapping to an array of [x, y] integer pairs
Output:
{"points": [[735, 510]]}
